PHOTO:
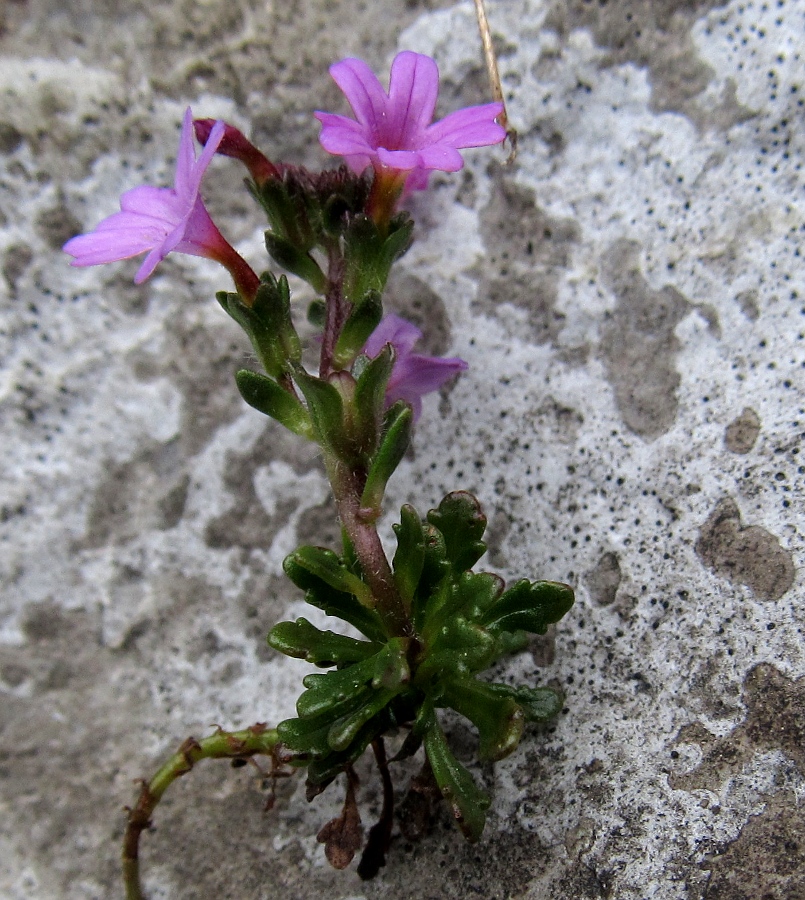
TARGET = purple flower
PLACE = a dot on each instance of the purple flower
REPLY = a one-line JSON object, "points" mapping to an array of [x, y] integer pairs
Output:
{"points": [[393, 131], [412, 376], [162, 220]]}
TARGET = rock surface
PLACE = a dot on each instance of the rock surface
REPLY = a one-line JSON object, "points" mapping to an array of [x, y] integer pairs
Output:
{"points": [[630, 296]]}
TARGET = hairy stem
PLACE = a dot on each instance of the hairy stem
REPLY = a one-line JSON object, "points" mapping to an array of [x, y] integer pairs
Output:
{"points": [[347, 488], [256, 740], [336, 311]]}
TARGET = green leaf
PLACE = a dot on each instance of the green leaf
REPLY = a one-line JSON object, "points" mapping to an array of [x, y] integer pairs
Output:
{"points": [[308, 735], [469, 595], [324, 769], [335, 690], [391, 668], [467, 801], [498, 718], [459, 647], [317, 312], [393, 444], [410, 555], [326, 565], [336, 603], [538, 704], [462, 523], [344, 731], [326, 409], [266, 396], [370, 398], [435, 568], [361, 322], [302, 640], [530, 606]]}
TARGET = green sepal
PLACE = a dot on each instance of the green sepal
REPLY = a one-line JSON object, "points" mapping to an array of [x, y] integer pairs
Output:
{"points": [[370, 399], [290, 209], [272, 304], [399, 239], [297, 261], [369, 255], [363, 247], [302, 640], [326, 409], [462, 523], [361, 322], [497, 716], [528, 606], [410, 555], [538, 704], [339, 604], [467, 801], [266, 396], [396, 437], [326, 565]]}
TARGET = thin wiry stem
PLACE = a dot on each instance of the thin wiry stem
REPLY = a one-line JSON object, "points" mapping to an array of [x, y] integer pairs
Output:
{"points": [[257, 740]]}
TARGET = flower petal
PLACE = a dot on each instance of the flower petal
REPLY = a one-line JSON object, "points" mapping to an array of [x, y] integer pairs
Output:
{"points": [[153, 202], [341, 140], [185, 156], [441, 157], [150, 263], [394, 330], [363, 91], [471, 127], [205, 157], [403, 160], [416, 376], [413, 90], [107, 246]]}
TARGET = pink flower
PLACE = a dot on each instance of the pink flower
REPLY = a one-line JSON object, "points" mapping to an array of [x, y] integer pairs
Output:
{"points": [[162, 220], [412, 376], [393, 131]]}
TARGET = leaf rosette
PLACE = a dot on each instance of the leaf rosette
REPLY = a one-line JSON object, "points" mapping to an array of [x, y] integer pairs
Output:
{"points": [[463, 621]]}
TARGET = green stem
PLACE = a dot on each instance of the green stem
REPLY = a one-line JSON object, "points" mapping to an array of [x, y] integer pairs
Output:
{"points": [[254, 741]]}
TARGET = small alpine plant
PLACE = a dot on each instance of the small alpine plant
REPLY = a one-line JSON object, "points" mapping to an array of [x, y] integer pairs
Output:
{"points": [[429, 625]]}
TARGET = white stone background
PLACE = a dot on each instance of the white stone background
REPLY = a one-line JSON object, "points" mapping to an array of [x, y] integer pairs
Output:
{"points": [[630, 297]]}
